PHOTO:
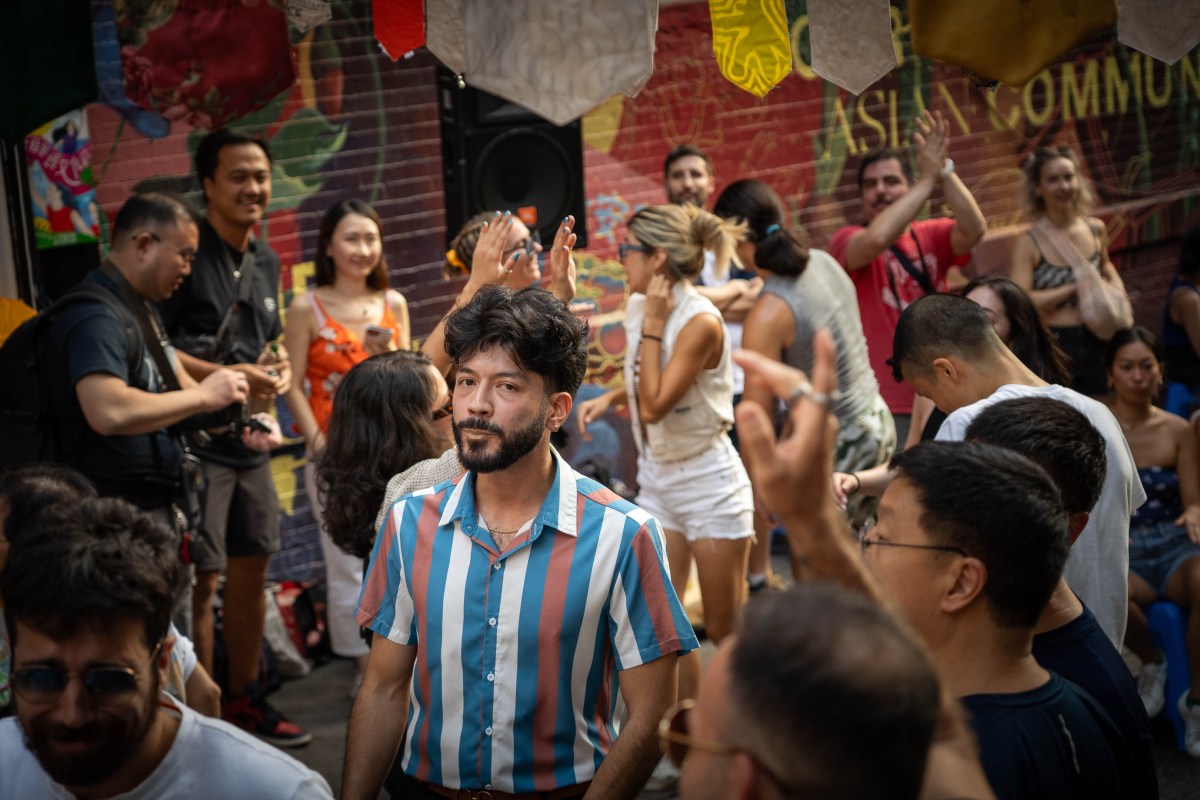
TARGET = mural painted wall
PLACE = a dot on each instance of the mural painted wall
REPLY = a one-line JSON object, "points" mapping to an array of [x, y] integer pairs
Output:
{"points": [[353, 123]]}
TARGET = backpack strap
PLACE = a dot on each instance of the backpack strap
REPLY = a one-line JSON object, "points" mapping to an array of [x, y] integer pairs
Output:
{"points": [[88, 292]]}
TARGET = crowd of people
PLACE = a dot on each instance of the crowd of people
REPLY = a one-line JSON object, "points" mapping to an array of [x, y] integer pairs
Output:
{"points": [[979, 493]]}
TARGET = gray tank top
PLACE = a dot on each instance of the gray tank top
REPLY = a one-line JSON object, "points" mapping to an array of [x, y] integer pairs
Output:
{"points": [[824, 297]]}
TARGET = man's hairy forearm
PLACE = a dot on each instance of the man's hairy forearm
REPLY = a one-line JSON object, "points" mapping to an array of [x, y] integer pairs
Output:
{"points": [[629, 763], [377, 723]]}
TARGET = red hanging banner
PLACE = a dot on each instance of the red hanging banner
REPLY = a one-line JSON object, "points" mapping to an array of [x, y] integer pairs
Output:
{"points": [[399, 25]]}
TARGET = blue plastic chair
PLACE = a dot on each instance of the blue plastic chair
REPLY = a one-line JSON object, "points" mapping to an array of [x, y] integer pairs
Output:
{"points": [[1168, 628]]}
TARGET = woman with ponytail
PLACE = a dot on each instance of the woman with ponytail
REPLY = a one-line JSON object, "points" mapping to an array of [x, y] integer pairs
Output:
{"points": [[679, 387], [806, 290]]}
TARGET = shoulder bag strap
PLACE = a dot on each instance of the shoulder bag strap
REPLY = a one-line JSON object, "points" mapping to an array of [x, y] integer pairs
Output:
{"points": [[921, 276]]}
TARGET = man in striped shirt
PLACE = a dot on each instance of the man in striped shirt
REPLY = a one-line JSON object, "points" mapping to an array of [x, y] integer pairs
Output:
{"points": [[527, 631]]}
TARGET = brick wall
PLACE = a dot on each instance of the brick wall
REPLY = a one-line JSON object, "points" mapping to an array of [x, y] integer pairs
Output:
{"points": [[357, 124]]}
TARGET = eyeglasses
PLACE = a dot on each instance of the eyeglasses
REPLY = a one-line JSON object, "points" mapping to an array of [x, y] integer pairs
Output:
{"points": [[866, 543], [529, 244], [625, 249], [674, 738], [40, 685], [444, 411], [188, 256], [675, 741]]}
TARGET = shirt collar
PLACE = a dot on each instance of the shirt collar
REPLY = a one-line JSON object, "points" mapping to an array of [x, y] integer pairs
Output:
{"points": [[558, 511]]}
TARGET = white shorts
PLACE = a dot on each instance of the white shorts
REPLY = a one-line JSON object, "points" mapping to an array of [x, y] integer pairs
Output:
{"points": [[707, 496]]}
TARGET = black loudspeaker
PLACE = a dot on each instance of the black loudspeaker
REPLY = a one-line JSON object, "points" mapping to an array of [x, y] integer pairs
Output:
{"points": [[497, 155]]}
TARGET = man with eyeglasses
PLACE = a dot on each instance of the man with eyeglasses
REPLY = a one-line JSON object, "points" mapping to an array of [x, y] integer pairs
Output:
{"points": [[111, 412], [227, 313], [838, 701], [88, 591], [968, 548], [948, 349]]}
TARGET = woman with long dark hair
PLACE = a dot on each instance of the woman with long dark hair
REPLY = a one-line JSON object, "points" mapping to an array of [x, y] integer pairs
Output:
{"points": [[1164, 533], [805, 290], [349, 315], [391, 411], [1062, 263]]}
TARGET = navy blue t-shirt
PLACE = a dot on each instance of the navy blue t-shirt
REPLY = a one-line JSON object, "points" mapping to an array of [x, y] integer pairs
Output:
{"points": [[85, 339], [1054, 742], [193, 315], [1081, 652]]}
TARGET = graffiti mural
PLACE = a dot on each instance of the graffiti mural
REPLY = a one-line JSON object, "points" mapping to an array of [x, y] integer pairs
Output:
{"points": [[353, 123]]}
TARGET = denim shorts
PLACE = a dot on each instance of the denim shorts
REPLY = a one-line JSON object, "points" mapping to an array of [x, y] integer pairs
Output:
{"points": [[1156, 550]]}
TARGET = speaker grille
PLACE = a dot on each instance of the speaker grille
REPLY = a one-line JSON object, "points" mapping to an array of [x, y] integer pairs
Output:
{"points": [[525, 167]]}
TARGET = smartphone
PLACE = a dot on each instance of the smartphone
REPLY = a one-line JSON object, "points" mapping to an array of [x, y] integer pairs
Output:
{"points": [[378, 335]]}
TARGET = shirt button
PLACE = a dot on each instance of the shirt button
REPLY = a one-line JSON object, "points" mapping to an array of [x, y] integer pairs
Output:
{"points": [[488, 787], [488, 730], [496, 565], [492, 622], [492, 676]]}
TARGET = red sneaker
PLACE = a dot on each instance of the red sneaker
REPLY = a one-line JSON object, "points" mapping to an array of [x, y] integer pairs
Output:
{"points": [[253, 714]]}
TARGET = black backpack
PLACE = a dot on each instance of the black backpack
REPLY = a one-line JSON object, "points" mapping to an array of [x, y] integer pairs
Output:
{"points": [[28, 431]]}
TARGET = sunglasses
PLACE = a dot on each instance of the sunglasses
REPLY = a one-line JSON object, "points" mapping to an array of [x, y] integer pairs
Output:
{"points": [[625, 249], [528, 245], [444, 411], [44, 684]]}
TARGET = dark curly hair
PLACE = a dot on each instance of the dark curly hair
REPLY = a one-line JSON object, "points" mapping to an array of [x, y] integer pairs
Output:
{"points": [[91, 563], [533, 326], [381, 425]]}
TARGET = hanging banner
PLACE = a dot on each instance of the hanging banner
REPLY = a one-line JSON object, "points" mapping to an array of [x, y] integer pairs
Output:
{"points": [[60, 181]]}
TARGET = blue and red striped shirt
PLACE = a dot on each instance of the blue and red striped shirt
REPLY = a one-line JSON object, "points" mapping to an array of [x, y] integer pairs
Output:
{"points": [[515, 682]]}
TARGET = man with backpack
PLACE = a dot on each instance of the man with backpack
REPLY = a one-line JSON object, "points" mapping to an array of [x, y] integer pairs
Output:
{"points": [[112, 386]]}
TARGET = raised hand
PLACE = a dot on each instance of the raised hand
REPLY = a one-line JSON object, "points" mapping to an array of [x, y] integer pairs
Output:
{"points": [[562, 264], [933, 143], [659, 301], [486, 266]]}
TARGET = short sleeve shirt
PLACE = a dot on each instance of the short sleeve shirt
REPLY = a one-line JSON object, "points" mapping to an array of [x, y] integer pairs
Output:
{"points": [[515, 682], [885, 289], [93, 340], [1098, 566], [1080, 652], [1054, 742], [193, 314]]}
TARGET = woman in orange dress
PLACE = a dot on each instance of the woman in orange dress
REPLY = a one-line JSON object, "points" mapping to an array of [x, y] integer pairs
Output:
{"points": [[350, 314]]}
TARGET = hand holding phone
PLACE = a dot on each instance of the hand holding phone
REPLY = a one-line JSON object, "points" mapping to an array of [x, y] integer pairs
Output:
{"points": [[378, 338]]}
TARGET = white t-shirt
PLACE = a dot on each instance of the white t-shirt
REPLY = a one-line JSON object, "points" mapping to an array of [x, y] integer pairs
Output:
{"points": [[709, 277], [1098, 566], [209, 758]]}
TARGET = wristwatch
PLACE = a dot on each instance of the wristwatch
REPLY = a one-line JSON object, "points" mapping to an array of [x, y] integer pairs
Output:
{"points": [[947, 168]]}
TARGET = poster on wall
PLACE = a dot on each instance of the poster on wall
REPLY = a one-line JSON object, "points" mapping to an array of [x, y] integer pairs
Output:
{"points": [[59, 155]]}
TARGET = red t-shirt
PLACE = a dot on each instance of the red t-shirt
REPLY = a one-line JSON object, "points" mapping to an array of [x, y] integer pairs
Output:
{"points": [[881, 299]]}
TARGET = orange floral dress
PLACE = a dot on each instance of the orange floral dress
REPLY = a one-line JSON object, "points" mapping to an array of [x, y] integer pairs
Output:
{"points": [[332, 354]]}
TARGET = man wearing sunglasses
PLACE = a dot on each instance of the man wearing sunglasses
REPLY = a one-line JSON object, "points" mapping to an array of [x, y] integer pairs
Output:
{"points": [[88, 592]]}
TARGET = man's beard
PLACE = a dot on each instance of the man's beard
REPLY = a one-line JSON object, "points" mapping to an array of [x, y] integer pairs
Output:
{"points": [[513, 446], [113, 740]]}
